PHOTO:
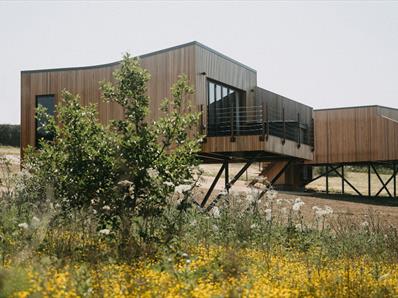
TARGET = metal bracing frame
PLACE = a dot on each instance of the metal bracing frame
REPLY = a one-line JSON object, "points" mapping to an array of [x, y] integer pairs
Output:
{"points": [[206, 198], [371, 167], [385, 184], [228, 183]]}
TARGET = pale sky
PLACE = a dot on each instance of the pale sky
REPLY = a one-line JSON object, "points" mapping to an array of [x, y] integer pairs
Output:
{"points": [[324, 54]]}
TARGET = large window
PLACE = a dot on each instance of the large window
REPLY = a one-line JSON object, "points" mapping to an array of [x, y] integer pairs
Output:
{"points": [[48, 102], [223, 103]]}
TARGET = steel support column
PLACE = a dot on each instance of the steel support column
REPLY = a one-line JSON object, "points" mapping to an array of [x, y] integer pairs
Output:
{"points": [[394, 168], [369, 182], [206, 198], [327, 179], [342, 179], [226, 168]]}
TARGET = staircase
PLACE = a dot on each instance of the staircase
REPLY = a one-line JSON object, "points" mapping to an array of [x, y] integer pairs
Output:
{"points": [[272, 171]]}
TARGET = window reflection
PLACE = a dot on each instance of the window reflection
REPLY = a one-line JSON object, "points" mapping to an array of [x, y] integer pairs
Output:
{"points": [[48, 102], [223, 103]]}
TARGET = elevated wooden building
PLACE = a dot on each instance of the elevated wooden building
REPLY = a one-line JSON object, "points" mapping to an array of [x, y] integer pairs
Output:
{"points": [[365, 136], [242, 121]]}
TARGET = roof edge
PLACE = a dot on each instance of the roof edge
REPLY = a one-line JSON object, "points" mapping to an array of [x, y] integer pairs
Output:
{"points": [[355, 107], [223, 56], [141, 56]]}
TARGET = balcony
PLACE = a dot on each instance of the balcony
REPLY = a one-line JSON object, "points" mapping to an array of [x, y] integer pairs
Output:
{"points": [[270, 115]]}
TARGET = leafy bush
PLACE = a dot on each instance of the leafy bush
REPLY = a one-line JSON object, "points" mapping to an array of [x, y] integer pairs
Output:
{"points": [[10, 135], [78, 166]]}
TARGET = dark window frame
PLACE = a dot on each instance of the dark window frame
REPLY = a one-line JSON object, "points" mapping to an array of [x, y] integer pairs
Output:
{"points": [[37, 145], [212, 115]]}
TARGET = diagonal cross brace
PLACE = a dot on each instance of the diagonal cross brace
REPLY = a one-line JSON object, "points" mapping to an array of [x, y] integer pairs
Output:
{"points": [[346, 181], [385, 184]]}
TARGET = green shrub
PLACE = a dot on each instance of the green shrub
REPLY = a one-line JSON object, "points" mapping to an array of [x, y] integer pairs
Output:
{"points": [[10, 135]]}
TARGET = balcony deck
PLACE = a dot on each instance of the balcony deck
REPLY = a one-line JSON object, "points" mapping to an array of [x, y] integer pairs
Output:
{"points": [[274, 125]]}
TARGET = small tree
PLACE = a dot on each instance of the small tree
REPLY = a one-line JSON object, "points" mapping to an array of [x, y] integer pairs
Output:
{"points": [[126, 173], [153, 157]]}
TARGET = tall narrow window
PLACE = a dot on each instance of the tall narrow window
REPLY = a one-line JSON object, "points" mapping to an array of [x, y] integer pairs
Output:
{"points": [[48, 102], [223, 102]]}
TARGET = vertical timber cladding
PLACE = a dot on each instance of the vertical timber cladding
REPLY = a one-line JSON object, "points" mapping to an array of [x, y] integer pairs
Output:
{"points": [[220, 68], [164, 67], [358, 134], [83, 81]]}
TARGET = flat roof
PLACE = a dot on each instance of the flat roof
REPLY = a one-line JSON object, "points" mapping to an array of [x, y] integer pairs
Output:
{"points": [[356, 107], [143, 56]]}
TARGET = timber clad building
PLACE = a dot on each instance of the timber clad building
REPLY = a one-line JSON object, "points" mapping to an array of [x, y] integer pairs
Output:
{"points": [[242, 121]]}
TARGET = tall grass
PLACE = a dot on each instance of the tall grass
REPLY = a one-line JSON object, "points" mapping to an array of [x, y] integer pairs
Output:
{"points": [[223, 252]]}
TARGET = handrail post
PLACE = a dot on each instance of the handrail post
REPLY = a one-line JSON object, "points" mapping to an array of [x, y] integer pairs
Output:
{"points": [[284, 126], [262, 137], [395, 178], [312, 135], [267, 115], [232, 139], [202, 126], [298, 131]]}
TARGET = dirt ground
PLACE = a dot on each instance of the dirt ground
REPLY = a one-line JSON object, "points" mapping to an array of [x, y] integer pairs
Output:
{"points": [[384, 208], [351, 206]]}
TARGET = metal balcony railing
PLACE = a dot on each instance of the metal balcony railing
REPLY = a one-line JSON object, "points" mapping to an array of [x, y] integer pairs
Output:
{"points": [[258, 120]]}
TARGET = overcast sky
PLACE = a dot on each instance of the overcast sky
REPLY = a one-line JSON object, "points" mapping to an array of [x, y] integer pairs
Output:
{"points": [[324, 54]]}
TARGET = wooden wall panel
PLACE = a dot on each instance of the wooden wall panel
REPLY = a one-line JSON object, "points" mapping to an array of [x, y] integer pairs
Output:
{"points": [[352, 135], [220, 68], [163, 66], [253, 143], [276, 103]]}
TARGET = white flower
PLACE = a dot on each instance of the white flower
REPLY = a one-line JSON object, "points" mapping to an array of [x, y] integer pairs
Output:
{"points": [[188, 261], [299, 227], [328, 209], [168, 183], [104, 231], [153, 173], [253, 226], [106, 207], [215, 212], [268, 214], [125, 183], [316, 208], [319, 212], [23, 225], [215, 228], [272, 194], [184, 255], [182, 188], [365, 224], [94, 211], [297, 204], [224, 192], [250, 198]]}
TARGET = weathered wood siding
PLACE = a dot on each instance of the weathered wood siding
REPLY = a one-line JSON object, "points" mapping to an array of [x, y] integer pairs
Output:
{"points": [[164, 67], [253, 143], [225, 70], [355, 135]]}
